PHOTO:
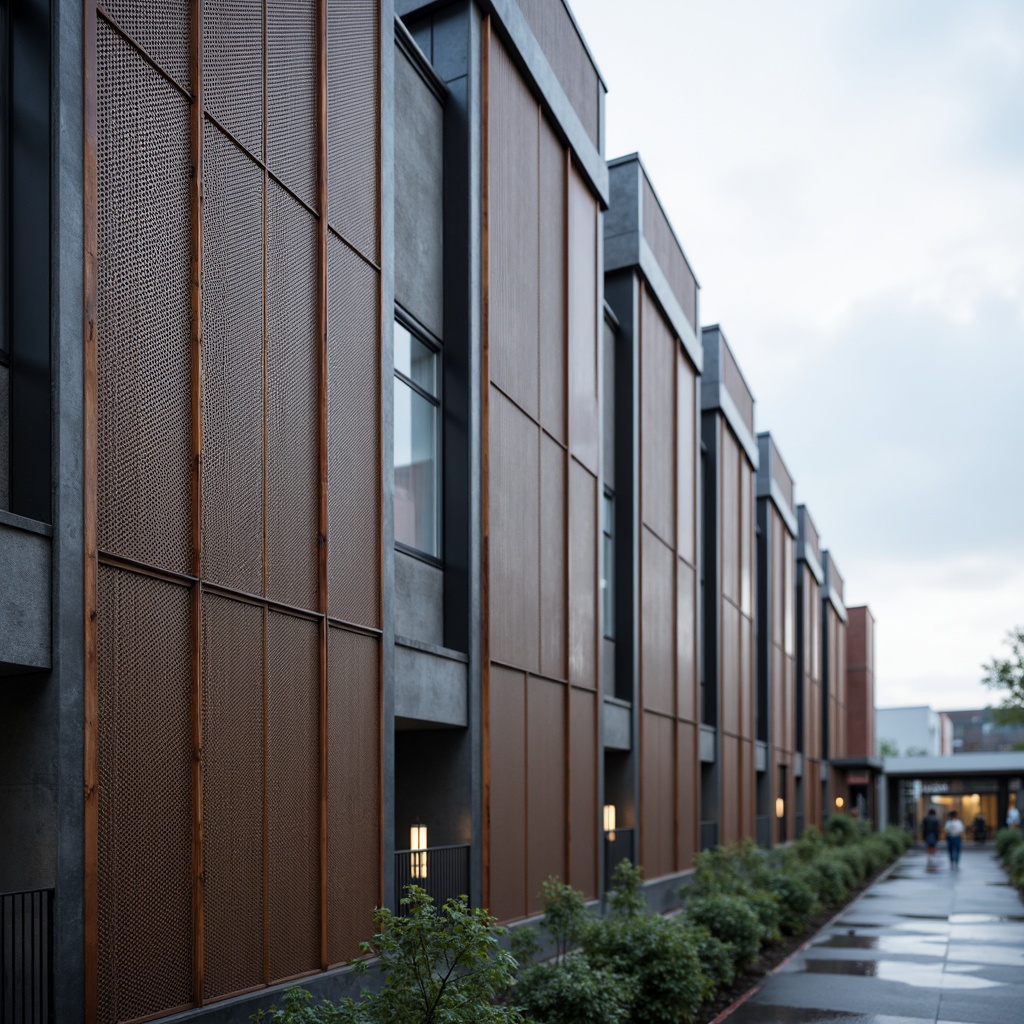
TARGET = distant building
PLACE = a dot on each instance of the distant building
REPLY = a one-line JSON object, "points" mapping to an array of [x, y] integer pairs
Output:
{"points": [[914, 731], [979, 731]]}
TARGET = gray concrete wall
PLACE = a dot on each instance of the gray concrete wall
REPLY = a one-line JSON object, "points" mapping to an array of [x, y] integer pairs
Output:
{"points": [[5, 434], [419, 600], [433, 769], [25, 569]]}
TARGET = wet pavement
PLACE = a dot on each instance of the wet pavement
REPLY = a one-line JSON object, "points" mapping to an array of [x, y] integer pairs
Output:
{"points": [[945, 947]]}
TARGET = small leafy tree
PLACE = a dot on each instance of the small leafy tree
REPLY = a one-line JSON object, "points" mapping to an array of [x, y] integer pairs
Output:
{"points": [[888, 748], [1007, 674]]}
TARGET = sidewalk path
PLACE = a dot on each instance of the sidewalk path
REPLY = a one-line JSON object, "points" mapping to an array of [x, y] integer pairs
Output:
{"points": [[946, 947]]}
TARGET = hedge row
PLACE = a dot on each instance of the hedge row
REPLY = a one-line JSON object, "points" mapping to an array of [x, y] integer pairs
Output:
{"points": [[446, 965], [1010, 850]]}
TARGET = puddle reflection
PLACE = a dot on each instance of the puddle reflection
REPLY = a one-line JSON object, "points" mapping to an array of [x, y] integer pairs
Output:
{"points": [[918, 975]]}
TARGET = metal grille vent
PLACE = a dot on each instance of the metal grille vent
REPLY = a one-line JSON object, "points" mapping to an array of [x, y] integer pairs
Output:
{"points": [[145, 796], [143, 307], [233, 67], [353, 438]]}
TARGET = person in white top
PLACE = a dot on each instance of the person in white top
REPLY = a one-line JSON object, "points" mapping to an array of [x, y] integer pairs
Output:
{"points": [[954, 839], [1013, 817]]}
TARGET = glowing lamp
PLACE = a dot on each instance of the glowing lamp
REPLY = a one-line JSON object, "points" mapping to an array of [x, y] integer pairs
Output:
{"points": [[418, 845], [780, 807], [839, 802], [609, 821]]}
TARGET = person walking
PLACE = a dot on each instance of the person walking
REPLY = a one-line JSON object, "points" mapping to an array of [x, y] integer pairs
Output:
{"points": [[954, 839], [1013, 817], [930, 833]]}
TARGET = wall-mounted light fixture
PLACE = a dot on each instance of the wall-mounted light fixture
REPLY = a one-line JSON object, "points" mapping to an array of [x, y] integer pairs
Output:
{"points": [[780, 807], [839, 802], [609, 821], [418, 845]]}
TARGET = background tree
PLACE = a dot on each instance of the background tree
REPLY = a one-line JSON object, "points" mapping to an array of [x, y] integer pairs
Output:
{"points": [[1007, 674], [888, 748]]}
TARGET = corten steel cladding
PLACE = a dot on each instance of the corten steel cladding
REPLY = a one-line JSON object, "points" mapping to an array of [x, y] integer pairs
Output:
{"points": [[144, 508], [551, 23], [181, 914], [145, 800]]}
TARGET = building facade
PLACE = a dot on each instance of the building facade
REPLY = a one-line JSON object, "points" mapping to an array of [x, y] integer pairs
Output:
{"points": [[374, 507]]}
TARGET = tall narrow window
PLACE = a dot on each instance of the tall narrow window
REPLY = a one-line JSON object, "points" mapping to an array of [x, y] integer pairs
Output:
{"points": [[417, 443], [608, 583]]}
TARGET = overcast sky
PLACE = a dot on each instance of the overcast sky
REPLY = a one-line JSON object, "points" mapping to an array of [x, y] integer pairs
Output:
{"points": [[847, 179]]}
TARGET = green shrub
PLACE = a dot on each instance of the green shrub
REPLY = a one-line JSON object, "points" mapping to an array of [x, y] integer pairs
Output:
{"points": [[573, 992], [840, 829], [716, 957], [1015, 864], [730, 919], [810, 845], [765, 904], [1006, 839], [830, 879], [298, 1008], [796, 898], [626, 897], [856, 859], [897, 839]]}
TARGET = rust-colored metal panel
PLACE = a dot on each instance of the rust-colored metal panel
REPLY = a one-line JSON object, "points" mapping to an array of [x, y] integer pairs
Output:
{"points": [[657, 426], [233, 68], [657, 622], [293, 796], [353, 122], [515, 535], [233, 796], [292, 95], [748, 546], [293, 461], [553, 27], [232, 498], [143, 311], [553, 568], [546, 786], [688, 795], [162, 29], [657, 789], [353, 790], [747, 790], [730, 683], [506, 806], [144, 878], [552, 268], [729, 513], [687, 691], [584, 434], [747, 679], [513, 218], [353, 437], [659, 236], [687, 457], [778, 575], [583, 581], [583, 823]]}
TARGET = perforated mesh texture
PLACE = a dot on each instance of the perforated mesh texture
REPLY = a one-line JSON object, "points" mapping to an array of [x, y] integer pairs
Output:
{"points": [[233, 67], [353, 445], [143, 310], [293, 465], [353, 791], [293, 795], [232, 366], [353, 122], [161, 28], [145, 796], [291, 94], [232, 795]]}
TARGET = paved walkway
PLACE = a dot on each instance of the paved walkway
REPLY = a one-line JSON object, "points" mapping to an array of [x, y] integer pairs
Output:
{"points": [[946, 947]]}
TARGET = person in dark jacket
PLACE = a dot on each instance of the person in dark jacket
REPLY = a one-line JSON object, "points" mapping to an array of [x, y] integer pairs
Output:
{"points": [[980, 827], [930, 831]]}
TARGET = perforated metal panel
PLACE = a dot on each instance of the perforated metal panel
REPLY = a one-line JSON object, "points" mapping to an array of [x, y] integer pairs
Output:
{"points": [[551, 275], [687, 458], [553, 563], [233, 782], [583, 583], [353, 445], [658, 424], [659, 235], [161, 28], [144, 883], [293, 795], [143, 311], [353, 122], [293, 461], [657, 615], [564, 48], [544, 760], [656, 819], [291, 94], [514, 233], [233, 68], [353, 791], [584, 400], [583, 790], [232, 533]]}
